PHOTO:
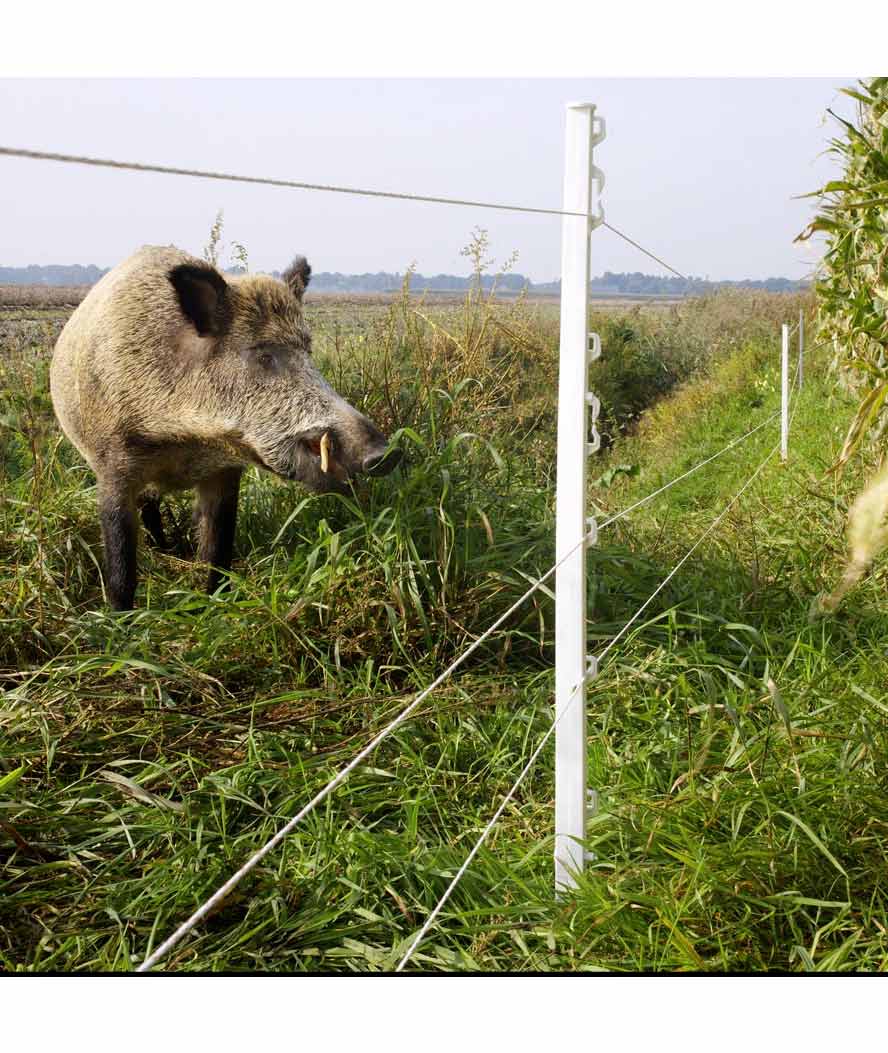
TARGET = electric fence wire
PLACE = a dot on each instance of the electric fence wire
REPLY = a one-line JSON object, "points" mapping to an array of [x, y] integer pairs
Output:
{"points": [[641, 248], [198, 173], [702, 464], [684, 475], [614, 640], [342, 775], [487, 830], [223, 891], [433, 914]]}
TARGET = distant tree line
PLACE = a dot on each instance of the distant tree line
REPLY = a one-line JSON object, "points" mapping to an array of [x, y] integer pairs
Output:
{"points": [[382, 281], [636, 283], [608, 284], [54, 274]]}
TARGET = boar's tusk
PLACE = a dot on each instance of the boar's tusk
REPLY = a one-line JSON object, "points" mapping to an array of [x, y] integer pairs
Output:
{"points": [[325, 452]]}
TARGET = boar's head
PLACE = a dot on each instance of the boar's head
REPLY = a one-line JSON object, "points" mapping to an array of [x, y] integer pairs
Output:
{"points": [[251, 375]]}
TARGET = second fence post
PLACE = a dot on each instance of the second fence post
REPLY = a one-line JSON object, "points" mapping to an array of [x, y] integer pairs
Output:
{"points": [[572, 670], [784, 394]]}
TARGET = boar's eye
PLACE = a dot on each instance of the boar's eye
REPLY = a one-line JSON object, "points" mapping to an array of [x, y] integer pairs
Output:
{"points": [[264, 356]]}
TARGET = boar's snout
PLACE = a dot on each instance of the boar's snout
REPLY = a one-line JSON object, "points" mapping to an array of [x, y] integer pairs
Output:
{"points": [[325, 458], [381, 462], [377, 457], [370, 453]]}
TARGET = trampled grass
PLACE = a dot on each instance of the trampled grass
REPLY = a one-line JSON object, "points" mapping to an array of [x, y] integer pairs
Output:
{"points": [[739, 752]]}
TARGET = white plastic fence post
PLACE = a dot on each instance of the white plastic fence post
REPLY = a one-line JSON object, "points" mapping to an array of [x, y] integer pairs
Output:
{"points": [[784, 395], [572, 665], [801, 347]]}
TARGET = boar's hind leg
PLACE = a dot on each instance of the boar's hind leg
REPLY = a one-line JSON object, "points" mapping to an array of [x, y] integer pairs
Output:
{"points": [[149, 507], [217, 514], [117, 512]]}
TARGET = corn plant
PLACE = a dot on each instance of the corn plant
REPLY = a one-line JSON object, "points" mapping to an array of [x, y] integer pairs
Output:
{"points": [[852, 287]]}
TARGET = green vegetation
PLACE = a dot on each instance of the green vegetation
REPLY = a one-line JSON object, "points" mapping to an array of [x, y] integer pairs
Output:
{"points": [[852, 289], [739, 752]]}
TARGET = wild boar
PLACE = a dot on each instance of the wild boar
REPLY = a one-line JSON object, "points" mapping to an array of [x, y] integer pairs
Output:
{"points": [[171, 375]]}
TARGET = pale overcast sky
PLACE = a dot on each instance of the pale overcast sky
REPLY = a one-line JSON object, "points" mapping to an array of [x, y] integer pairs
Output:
{"points": [[701, 171]]}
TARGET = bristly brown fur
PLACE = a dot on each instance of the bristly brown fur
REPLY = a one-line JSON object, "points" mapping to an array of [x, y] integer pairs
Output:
{"points": [[169, 376], [298, 275]]}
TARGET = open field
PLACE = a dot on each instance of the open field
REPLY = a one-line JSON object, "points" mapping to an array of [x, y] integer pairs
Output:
{"points": [[144, 756], [47, 296], [42, 295]]}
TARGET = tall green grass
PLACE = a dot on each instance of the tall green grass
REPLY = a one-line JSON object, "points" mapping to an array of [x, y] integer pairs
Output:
{"points": [[738, 752]]}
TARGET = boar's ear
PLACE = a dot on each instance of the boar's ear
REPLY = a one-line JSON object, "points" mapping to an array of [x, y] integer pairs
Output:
{"points": [[297, 276], [204, 297]]}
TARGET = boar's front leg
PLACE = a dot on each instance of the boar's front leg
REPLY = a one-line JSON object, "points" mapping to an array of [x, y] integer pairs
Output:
{"points": [[117, 513], [216, 514]]}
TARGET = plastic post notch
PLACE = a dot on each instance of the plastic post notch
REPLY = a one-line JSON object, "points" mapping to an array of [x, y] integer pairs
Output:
{"points": [[591, 530], [591, 666]]}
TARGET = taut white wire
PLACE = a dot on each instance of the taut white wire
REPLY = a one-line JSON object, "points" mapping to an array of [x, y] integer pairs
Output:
{"points": [[690, 471], [697, 543], [697, 467], [341, 776], [690, 552], [641, 248], [484, 835], [508, 797], [223, 891], [134, 166]]}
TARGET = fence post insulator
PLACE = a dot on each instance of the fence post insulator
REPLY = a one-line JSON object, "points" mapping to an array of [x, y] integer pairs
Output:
{"points": [[578, 347], [591, 530], [592, 799], [593, 405]]}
